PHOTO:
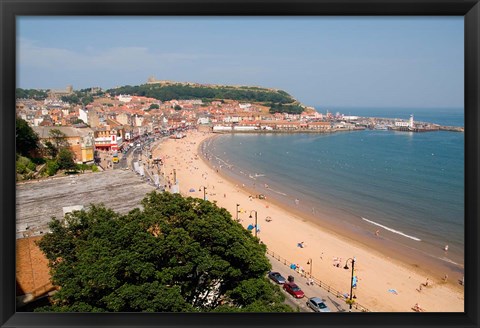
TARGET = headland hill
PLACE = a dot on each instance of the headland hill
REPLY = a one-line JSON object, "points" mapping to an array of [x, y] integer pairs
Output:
{"points": [[163, 104]]}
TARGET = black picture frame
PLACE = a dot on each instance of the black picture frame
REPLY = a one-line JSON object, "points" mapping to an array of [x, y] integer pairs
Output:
{"points": [[470, 9]]}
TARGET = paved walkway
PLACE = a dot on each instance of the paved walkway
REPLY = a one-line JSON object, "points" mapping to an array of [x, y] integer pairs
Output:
{"points": [[335, 304]]}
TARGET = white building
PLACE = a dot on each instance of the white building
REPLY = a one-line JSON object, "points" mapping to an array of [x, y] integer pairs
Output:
{"points": [[203, 120], [402, 124], [222, 128], [245, 128], [125, 98], [83, 115]]}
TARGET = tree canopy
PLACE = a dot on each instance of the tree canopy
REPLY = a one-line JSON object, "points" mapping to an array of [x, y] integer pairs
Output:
{"points": [[30, 94], [179, 91], [176, 255], [65, 159], [26, 139]]}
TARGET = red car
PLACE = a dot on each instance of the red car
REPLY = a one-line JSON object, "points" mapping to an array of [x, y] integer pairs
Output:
{"points": [[293, 289]]}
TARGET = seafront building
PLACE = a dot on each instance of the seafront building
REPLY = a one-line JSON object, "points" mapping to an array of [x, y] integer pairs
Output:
{"points": [[118, 121]]}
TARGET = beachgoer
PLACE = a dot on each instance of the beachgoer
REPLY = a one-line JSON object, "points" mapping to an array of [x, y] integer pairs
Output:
{"points": [[301, 271], [445, 278], [377, 232], [426, 283], [446, 248], [417, 308]]}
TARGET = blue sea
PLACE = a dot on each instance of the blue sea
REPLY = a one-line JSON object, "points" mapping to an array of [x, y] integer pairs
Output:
{"points": [[409, 186]]}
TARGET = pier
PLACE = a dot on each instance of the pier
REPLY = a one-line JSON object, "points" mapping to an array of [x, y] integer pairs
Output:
{"points": [[332, 126]]}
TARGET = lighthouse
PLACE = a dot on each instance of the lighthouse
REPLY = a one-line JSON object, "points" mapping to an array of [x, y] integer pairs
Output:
{"points": [[410, 122]]}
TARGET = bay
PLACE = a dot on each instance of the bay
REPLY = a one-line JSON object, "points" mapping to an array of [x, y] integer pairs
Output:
{"points": [[409, 184]]}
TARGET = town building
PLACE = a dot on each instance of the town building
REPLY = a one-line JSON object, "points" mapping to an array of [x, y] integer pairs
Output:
{"points": [[80, 140]]}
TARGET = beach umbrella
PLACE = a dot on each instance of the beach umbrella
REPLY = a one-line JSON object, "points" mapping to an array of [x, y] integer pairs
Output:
{"points": [[250, 227]]}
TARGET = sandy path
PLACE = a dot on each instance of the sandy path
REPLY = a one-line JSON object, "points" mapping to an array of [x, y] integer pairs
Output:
{"points": [[383, 284]]}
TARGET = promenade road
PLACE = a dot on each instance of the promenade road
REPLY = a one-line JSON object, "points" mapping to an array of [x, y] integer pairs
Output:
{"points": [[335, 304]]}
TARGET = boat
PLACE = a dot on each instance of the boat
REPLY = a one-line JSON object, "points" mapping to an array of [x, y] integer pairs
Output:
{"points": [[380, 127]]}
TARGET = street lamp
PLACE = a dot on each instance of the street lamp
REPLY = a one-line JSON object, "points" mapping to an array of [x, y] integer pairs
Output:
{"points": [[255, 220], [351, 281], [204, 196], [310, 261], [237, 212]]}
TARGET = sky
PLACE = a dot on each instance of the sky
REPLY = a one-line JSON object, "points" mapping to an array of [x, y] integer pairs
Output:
{"points": [[402, 62]]}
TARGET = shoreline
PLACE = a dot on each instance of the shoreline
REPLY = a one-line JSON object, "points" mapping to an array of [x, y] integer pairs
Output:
{"points": [[392, 248], [323, 243], [428, 252]]}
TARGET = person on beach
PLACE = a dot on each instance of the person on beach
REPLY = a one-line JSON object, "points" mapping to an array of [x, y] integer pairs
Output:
{"points": [[446, 248], [377, 233], [445, 278], [417, 308]]}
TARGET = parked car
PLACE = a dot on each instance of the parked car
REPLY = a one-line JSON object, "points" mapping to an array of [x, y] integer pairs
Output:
{"points": [[317, 304], [277, 277], [293, 290]]}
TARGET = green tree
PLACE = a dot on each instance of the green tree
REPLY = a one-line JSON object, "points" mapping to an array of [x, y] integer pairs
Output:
{"points": [[176, 255], [88, 99], [179, 91], [59, 139], [65, 159], [52, 167], [30, 94], [50, 149], [26, 138], [154, 106]]}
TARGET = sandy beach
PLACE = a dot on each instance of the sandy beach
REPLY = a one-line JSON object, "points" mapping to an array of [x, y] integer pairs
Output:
{"points": [[384, 284]]}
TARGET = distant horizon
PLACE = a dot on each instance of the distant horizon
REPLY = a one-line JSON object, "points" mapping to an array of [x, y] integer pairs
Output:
{"points": [[390, 108]]}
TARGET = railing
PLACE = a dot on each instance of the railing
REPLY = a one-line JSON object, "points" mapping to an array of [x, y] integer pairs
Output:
{"points": [[316, 281]]}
